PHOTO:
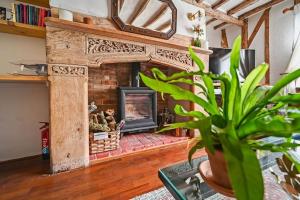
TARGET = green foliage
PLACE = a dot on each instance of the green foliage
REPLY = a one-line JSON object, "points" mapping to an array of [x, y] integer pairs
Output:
{"points": [[249, 111]]}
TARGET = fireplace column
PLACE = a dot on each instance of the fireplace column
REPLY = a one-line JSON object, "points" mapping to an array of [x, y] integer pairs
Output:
{"points": [[69, 146]]}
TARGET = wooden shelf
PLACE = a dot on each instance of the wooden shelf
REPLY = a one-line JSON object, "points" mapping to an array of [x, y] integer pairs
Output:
{"points": [[23, 78], [22, 29]]}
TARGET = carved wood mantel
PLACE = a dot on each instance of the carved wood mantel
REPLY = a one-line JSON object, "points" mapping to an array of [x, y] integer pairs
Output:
{"points": [[95, 45], [74, 47]]}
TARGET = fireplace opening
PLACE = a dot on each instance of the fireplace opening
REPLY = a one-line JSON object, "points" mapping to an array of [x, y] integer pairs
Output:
{"points": [[137, 105]]}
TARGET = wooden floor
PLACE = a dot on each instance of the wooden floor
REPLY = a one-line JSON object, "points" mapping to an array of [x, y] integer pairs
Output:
{"points": [[122, 178]]}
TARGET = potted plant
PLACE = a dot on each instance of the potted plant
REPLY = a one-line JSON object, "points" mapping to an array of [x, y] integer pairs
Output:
{"points": [[230, 132]]}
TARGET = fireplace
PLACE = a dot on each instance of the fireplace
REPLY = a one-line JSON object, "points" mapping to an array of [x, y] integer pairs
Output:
{"points": [[138, 107]]}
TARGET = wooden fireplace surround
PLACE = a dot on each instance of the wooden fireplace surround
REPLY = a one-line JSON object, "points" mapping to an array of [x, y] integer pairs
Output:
{"points": [[74, 47]]}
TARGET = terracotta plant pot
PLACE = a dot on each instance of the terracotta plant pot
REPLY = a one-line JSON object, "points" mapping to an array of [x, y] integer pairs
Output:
{"points": [[219, 168]]}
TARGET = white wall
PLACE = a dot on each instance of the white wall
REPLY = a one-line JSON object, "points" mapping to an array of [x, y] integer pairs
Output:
{"points": [[281, 38], [22, 105], [101, 8]]}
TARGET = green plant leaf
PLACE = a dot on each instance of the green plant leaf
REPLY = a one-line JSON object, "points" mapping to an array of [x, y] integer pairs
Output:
{"points": [[210, 90], [269, 126], [245, 175], [235, 53], [196, 59], [285, 80], [272, 93], [254, 97], [234, 102], [177, 93], [225, 88], [205, 131], [204, 127], [159, 74], [218, 121], [193, 150], [291, 99], [252, 81], [179, 110], [231, 141], [188, 125], [189, 82], [282, 147]]}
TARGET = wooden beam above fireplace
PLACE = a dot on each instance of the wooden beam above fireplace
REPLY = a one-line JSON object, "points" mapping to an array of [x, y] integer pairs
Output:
{"points": [[113, 33]]}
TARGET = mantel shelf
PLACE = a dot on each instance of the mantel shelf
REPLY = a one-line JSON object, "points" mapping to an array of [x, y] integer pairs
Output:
{"points": [[23, 78], [22, 29], [98, 30]]}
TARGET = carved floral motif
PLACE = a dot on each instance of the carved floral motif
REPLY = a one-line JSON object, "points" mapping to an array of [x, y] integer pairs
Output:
{"points": [[175, 56], [96, 45], [69, 70]]}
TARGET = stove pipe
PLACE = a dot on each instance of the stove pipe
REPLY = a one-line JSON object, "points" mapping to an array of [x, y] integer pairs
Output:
{"points": [[135, 78]]}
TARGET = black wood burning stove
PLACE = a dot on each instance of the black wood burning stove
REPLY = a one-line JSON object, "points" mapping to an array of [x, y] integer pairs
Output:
{"points": [[137, 105]]}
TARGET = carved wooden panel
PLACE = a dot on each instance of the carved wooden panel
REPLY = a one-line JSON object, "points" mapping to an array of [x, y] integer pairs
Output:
{"points": [[97, 45], [67, 70], [176, 56], [110, 50]]}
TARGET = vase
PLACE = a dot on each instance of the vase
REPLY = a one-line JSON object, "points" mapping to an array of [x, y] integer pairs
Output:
{"points": [[219, 168]]}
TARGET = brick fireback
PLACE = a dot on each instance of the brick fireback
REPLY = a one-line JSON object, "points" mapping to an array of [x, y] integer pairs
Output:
{"points": [[104, 81]]}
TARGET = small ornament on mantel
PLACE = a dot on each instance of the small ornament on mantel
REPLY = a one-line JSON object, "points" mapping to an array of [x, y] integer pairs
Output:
{"points": [[198, 33]]}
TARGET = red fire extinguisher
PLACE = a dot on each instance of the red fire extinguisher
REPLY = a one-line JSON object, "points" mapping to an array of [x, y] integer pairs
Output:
{"points": [[45, 140]]}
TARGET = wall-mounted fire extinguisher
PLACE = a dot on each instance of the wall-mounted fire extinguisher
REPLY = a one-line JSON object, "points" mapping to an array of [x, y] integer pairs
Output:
{"points": [[45, 140]]}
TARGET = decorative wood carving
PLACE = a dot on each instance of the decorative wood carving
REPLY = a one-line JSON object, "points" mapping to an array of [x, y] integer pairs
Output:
{"points": [[96, 45], [68, 70], [176, 56]]}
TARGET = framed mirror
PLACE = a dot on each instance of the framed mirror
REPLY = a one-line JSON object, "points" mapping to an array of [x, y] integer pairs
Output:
{"points": [[156, 18]]}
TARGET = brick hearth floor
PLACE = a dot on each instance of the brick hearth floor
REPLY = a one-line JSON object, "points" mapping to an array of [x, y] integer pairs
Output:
{"points": [[137, 142]]}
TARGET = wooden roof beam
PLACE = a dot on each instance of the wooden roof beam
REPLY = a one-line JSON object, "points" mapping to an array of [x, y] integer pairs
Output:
{"points": [[219, 4], [138, 11], [253, 11], [211, 21], [216, 14], [260, 8], [220, 25], [156, 16], [240, 6], [235, 9], [164, 26]]}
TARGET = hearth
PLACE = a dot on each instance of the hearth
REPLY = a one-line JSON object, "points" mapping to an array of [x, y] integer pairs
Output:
{"points": [[138, 107]]}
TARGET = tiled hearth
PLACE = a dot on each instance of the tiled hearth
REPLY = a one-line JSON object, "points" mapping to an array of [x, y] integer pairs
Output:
{"points": [[139, 142]]}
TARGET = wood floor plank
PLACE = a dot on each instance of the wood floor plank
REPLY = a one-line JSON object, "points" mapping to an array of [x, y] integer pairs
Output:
{"points": [[121, 178]]}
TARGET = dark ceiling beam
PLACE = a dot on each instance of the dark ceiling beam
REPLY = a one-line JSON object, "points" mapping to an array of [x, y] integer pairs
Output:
{"points": [[211, 21], [240, 6], [236, 9], [137, 12], [260, 8], [254, 11], [162, 10], [218, 4]]}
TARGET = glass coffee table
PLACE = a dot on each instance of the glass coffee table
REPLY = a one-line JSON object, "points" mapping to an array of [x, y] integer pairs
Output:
{"points": [[185, 182]]}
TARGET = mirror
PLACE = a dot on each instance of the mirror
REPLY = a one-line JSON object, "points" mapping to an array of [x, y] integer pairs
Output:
{"points": [[156, 18]]}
